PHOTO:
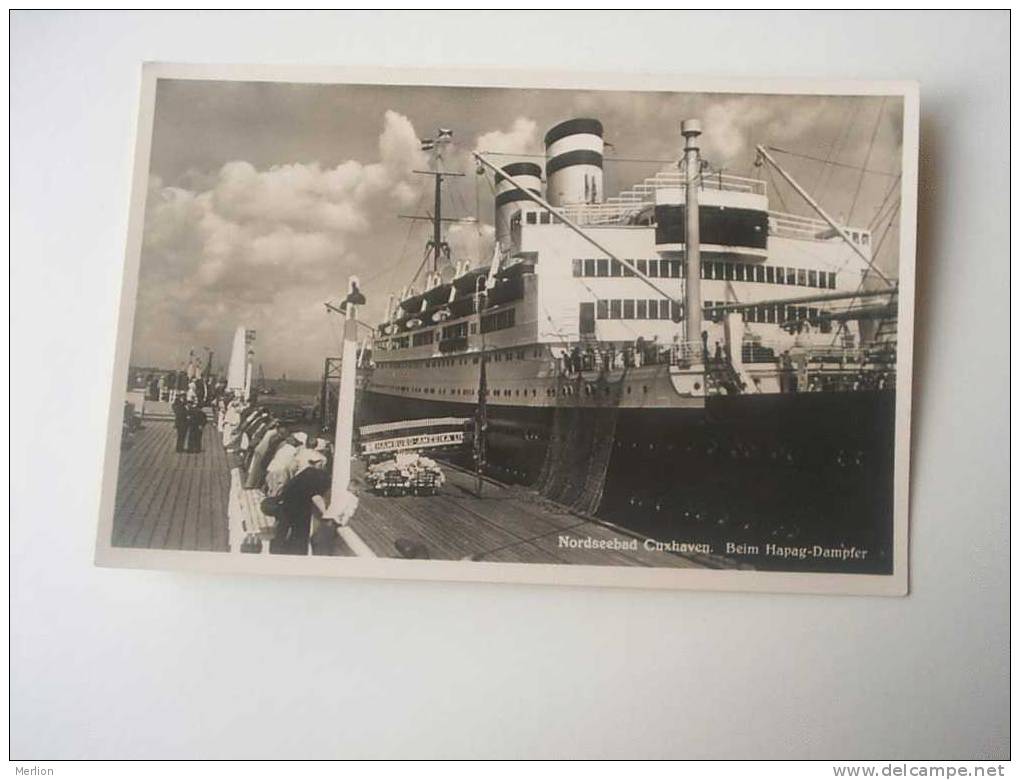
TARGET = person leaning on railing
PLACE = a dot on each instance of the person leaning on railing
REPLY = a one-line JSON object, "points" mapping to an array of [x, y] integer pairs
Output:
{"points": [[303, 495]]}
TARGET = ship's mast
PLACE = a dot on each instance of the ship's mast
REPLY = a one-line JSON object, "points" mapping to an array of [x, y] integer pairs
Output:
{"points": [[436, 245], [437, 224], [691, 129]]}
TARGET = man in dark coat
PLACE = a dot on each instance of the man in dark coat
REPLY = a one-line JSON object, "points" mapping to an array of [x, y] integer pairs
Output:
{"points": [[304, 495], [196, 422], [180, 421]]}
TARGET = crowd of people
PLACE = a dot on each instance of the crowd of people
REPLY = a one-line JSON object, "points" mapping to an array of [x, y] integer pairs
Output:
{"points": [[291, 468], [610, 356], [190, 384]]}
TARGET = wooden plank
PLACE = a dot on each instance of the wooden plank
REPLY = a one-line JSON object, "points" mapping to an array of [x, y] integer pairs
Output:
{"points": [[169, 499], [220, 497], [381, 522], [381, 525], [514, 499], [193, 510], [220, 492], [162, 479], [137, 460], [169, 509], [134, 495], [206, 521], [522, 552], [501, 512], [457, 530]]}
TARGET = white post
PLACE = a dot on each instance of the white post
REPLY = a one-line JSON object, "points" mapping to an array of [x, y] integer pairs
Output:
{"points": [[236, 368], [247, 377], [345, 404], [342, 501]]}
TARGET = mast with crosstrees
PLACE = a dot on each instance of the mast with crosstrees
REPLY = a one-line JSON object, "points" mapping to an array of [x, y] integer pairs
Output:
{"points": [[437, 247]]}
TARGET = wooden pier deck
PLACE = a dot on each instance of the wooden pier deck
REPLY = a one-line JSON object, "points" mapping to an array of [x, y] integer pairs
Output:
{"points": [[506, 524], [179, 501], [168, 500]]}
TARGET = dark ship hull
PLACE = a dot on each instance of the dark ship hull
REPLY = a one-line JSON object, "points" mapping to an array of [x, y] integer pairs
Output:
{"points": [[789, 481]]}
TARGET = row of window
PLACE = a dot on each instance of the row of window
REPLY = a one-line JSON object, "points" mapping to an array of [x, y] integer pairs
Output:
{"points": [[499, 392], [642, 309], [500, 320], [456, 331], [594, 267], [539, 218], [664, 309], [497, 356], [771, 314], [490, 322], [421, 339]]}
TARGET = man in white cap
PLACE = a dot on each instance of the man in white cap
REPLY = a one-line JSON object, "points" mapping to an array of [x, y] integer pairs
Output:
{"points": [[284, 464]]}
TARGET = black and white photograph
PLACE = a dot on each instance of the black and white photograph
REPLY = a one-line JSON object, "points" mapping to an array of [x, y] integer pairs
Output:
{"points": [[617, 335], [511, 385]]}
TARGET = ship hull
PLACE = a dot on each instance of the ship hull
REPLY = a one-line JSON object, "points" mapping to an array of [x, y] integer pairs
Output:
{"points": [[767, 480]]}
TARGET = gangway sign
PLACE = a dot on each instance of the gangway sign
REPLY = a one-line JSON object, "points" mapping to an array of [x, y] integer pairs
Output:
{"points": [[403, 435]]}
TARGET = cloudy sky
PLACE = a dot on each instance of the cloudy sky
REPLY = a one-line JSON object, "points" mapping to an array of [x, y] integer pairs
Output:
{"points": [[264, 197]]}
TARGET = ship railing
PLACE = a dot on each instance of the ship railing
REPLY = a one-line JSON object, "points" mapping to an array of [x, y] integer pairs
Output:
{"points": [[617, 208], [710, 180], [810, 229], [600, 213], [597, 356]]}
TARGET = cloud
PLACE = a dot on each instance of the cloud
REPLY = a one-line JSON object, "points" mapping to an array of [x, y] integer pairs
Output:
{"points": [[522, 138], [470, 242], [732, 125], [264, 248]]}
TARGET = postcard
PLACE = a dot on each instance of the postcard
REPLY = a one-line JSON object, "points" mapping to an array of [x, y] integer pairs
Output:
{"points": [[562, 328]]}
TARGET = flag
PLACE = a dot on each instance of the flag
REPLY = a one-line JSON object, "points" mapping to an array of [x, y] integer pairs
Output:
{"points": [[427, 144]]}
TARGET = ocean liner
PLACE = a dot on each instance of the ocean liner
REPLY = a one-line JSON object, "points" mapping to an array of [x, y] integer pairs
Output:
{"points": [[679, 358]]}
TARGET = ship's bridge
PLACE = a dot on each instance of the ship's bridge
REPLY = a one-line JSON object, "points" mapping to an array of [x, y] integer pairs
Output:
{"points": [[720, 192]]}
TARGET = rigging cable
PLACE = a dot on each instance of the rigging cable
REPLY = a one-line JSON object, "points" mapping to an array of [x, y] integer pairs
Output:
{"points": [[829, 161], [879, 212], [844, 136], [867, 159], [775, 189], [876, 246], [828, 155], [403, 249]]}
